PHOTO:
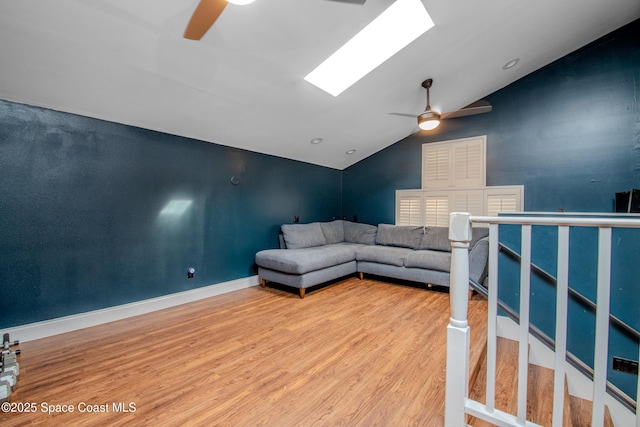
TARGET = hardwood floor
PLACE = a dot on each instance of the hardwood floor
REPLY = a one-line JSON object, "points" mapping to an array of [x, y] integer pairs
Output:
{"points": [[357, 353]]}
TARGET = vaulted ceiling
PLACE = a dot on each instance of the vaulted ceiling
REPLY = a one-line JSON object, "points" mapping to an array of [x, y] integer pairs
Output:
{"points": [[243, 84]]}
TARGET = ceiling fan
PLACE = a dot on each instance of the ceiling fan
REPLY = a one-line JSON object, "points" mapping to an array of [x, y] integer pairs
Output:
{"points": [[429, 119], [208, 11]]}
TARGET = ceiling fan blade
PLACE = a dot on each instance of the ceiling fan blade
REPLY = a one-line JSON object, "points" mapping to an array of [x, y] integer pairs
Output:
{"points": [[478, 107], [350, 1], [413, 116], [203, 18]]}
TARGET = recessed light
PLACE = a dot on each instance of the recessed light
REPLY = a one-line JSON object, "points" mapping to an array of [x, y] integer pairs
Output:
{"points": [[316, 141], [351, 151], [396, 27], [510, 64], [240, 2]]}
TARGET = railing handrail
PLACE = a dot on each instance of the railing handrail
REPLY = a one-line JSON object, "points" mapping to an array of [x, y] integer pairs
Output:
{"points": [[624, 327], [594, 221], [549, 342], [564, 219], [457, 401]]}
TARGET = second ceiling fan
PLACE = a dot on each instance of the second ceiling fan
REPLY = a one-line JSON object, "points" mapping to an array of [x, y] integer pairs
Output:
{"points": [[429, 119], [208, 11]]}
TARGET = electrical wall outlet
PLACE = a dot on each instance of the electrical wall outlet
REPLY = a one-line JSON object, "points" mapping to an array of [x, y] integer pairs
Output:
{"points": [[625, 365]]}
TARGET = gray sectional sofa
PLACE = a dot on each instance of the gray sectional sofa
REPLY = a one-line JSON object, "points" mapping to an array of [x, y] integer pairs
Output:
{"points": [[315, 253]]}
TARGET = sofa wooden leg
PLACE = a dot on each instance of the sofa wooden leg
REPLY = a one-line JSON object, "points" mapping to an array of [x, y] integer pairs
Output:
{"points": [[361, 275], [302, 291], [263, 283], [470, 294]]}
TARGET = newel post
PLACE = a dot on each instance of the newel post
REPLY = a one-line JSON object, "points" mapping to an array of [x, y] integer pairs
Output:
{"points": [[457, 382]]}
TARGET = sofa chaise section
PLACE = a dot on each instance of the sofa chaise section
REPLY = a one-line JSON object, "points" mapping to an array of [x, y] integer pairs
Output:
{"points": [[306, 267], [311, 254]]}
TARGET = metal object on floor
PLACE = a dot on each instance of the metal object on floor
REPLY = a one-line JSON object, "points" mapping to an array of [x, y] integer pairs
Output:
{"points": [[9, 367]]}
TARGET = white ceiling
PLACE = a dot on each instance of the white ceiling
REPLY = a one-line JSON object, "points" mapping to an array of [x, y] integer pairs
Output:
{"points": [[243, 84]]}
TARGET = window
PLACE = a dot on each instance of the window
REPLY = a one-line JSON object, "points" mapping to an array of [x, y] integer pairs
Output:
{"points": [[409, 208], [454, 180], [457, 163], [436, 208], [436, 205]]}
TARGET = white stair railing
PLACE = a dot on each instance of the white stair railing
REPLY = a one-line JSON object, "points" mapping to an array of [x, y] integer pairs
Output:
{"points": [[457, 402]]}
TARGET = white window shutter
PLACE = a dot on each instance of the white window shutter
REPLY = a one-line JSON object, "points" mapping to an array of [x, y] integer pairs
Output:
{"points": [[436, 210], [435, 165], [504, 200], [471, 201], [454, 180], [469, 162], [409, 207]]}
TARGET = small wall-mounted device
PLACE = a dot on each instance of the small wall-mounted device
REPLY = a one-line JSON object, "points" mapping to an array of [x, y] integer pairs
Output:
{"points": [[190, 272], [625, 365]]}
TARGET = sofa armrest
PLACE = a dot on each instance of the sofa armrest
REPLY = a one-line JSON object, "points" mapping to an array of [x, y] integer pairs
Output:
{"points": [[478, 260]]}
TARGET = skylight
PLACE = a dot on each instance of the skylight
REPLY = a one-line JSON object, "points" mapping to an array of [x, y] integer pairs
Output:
{"points": [[396, 27]]}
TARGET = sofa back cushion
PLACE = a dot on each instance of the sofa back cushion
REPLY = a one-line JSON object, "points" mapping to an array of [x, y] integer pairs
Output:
{"points": [[333, 231], [402, 236], [435, 239], [356, 232], [298, 236]]}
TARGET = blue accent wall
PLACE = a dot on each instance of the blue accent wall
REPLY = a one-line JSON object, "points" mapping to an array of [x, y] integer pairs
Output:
{"points": [[569, 132], [81, 226]]}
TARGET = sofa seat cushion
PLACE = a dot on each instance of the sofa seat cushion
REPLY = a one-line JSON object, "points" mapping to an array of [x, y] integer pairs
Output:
{"points": [[301, 261], [430, 260], [383, 254]]}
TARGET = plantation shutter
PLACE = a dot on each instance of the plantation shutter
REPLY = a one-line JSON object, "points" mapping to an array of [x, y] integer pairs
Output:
{"points": [[409, 208], [436, 210], [468, 163], [503, 200], [454, 180], [435, 165]]}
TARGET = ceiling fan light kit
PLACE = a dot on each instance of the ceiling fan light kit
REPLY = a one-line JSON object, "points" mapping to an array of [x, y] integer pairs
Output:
{"points": [[428, 120]]}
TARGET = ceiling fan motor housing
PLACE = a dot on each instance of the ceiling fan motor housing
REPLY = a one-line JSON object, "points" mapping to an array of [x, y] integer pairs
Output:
{"points": [[428, 115]]}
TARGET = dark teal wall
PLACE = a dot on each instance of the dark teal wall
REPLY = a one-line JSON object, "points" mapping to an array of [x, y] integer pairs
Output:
{"points": [[80, 203], [569, 132]]}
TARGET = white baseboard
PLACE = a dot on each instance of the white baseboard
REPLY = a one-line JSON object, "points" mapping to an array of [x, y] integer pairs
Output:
{"points": [[578, 384], [60, 325]]}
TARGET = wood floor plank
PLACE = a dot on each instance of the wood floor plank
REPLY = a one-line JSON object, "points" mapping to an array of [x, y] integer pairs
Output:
{"points": [[581, 412], [540, 395], [356, 353]]}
